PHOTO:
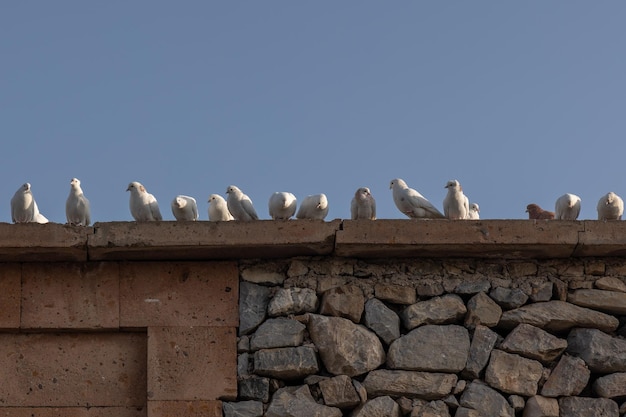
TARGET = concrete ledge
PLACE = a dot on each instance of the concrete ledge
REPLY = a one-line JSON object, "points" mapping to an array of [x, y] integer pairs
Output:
{"points": [[602, 238], [211, 240], [28, 242]]}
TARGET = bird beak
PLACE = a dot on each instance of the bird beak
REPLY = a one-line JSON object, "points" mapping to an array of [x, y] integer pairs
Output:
{"points": [[128, 189]]}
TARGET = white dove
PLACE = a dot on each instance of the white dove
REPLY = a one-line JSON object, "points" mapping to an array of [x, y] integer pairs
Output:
{"points": [[24, 207], [412, 203], [143, 206], [474, 212], [218, 209], [313, 207], [610, 207], [455, 203], [77, 209], [363, 205], [282, 205], [240, 205], [184, 208], [567, 207]]}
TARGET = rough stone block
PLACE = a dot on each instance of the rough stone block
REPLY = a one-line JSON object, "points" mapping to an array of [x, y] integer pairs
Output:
{"points": [[52, 242], [396, 294], [50, 370], [179, 294], [185, 408], [70, 296], [513, 374], [10, 295], [74, 411], [181, 359]]}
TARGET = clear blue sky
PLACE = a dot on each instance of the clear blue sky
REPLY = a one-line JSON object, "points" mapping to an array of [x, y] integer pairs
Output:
{"points": [[519, 101]]}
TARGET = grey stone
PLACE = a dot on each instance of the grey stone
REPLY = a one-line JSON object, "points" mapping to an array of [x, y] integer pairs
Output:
{"points": [[253, 301], [460, 386], [410, 384], [483, 342], [382, 320], [482, 310], [286, 363], [451, 402], [601, 352], [541, 292], [517, 402], [346, 348], [568, 378], [396, 294], [513, 374], [508, 298], [243, 344], [292, 301], [558, 316], [611, 386], [360, 389], [538, 406], [469, 287], [297, 268], [612, 302], [378, 407], [429, 288], [560, 289], [278, 332], [406, 405], [436, 408], [346, 301], [485, 401], [468, 412], [261, 275], [255, 388], [298, 402], [534, 343], [439, 310], [587, 407], [610, 284], [339, 392], [243, 409], [243, 364], [431, 348]]}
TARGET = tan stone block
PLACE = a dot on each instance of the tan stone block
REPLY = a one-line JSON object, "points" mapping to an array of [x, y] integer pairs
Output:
{"points": [[33, 242], [179, 294], [184, 408], [602, 238], [182, 361], [10, 295], [70, 295], [74, 412], [61, 370]]}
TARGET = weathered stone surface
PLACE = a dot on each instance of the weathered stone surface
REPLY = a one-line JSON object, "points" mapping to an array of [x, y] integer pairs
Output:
{"points": [[558, 316], [431, 348], [483, 342], [278, 332], [587, 407], [377, 407], [436, 408], [468, 412], [568, 378], [396, 294], [610, 284], [541, 292], [261, 275], [345, 347], [243, 409], [253, 301], [292, 301], [482, 310], [485, 401], [534, 343], [382, 320], [472, 287], [411, 384], [298, 402], [611, 386], [243, 364], [601, 352], [539, 406], [439, 310], [513, 374], [286, 363], [254, 388], [339, 392], [346, 301], [429, 288], [508, 298], [612, 302], [517, 402]]}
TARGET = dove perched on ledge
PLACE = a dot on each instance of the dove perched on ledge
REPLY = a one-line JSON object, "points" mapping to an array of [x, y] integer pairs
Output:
{"points": [[567, 207], [412, 203], [184, 208], [240, 205], [24, 207], [455, 203], [313, 207], [474, 212], [77, 209], [143, 205], [218, 209], [537, 213], [282, 205], [610, 207], [363, 205]]}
